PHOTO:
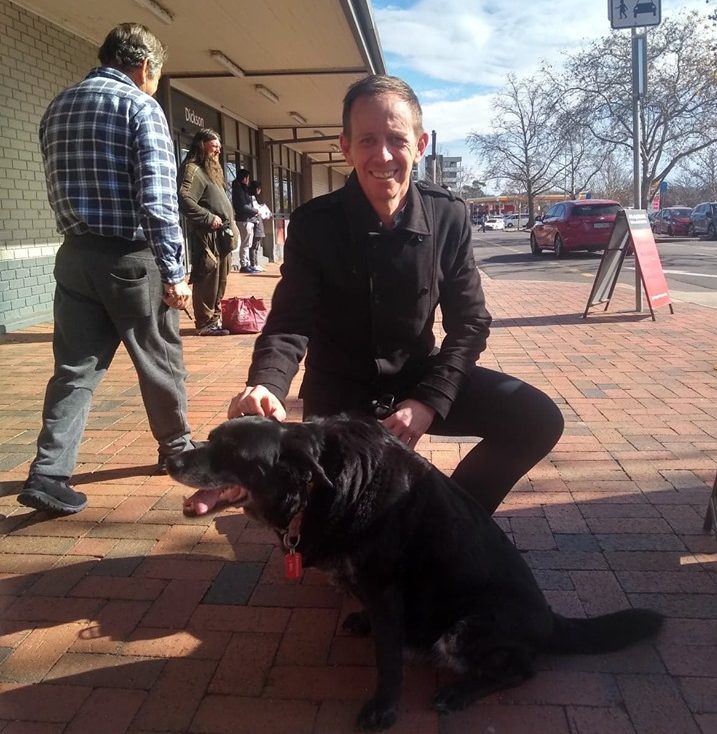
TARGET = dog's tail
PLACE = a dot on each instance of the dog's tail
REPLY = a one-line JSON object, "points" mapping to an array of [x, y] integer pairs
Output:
{"points": [[605, 633]]}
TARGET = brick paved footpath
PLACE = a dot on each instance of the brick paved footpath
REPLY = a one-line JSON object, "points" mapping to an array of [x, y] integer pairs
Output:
{"points": [[130, 617]]}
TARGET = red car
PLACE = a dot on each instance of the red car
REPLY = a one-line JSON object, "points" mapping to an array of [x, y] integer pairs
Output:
{"points": [[674, 221], [584, 224]]}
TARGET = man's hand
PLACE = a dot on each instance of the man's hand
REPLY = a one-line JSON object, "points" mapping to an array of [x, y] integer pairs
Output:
{"points": [[216, 222], [256, 400], [410, 421], [177, 295]]}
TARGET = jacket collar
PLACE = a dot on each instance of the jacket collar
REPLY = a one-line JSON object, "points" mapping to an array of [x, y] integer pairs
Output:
{"points": [[363, 219]]}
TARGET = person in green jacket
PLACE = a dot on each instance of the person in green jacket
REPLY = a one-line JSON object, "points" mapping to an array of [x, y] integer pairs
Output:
{"points": [[212, 233]]}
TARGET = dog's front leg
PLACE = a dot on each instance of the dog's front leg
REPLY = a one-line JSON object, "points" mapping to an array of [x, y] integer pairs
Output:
{"points": [[385, 610]]}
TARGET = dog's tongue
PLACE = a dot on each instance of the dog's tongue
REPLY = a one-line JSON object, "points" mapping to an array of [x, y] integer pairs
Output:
{"points": [[208, 500], [233, 495]]}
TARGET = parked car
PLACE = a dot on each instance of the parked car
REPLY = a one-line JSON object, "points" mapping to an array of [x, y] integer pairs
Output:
{"points": [[494, 223], [640, 8], [703, 220], [673, 220], [584, 224], [515, 221]]}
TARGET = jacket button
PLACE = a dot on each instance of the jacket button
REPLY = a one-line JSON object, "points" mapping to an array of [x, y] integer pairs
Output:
{"points": [[420, 238]]}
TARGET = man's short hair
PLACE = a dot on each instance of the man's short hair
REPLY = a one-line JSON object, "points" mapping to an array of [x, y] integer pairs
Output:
{"points": [[128, 45], [243, 173], [374, 86]]}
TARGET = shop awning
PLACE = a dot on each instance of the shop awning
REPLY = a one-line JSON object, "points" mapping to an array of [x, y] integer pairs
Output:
{"points": [[279, 65]]}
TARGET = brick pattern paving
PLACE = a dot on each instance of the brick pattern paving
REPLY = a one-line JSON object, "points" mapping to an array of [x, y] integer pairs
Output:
{"points": [[132, 618]]}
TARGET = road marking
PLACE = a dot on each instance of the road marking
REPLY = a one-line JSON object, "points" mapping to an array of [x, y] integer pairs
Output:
{"points": [[683, 272]]}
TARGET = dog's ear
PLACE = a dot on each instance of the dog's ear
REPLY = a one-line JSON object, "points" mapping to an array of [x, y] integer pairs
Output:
{"points": [[301, 451]]}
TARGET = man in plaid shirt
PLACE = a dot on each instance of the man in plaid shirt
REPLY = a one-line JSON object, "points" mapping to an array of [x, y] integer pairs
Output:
{"points": [[111, 181]]}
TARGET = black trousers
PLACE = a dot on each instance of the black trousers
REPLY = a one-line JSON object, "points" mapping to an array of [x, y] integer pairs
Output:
{"points": [[518, 425]]}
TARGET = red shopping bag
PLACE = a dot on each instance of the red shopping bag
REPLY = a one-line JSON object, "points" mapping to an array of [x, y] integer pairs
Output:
{"points": [[243, 315]]}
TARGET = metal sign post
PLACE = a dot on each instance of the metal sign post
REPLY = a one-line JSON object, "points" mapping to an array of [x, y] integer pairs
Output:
{"points": [[633, 14], [639, 87]]}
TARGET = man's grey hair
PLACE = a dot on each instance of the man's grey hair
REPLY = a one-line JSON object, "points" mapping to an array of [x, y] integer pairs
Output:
{"points": [[128, 45]]}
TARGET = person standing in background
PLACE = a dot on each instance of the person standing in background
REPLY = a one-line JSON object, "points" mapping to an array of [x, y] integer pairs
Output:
{"points": [[262, 213], [244, 213], [111, 182], [212, 233]]}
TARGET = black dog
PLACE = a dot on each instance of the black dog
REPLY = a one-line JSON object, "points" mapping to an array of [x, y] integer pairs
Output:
{"points": [[432, 569]]}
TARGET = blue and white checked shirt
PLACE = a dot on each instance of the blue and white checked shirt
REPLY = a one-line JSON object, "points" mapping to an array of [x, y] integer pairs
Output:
{"points": [[110, 166]]}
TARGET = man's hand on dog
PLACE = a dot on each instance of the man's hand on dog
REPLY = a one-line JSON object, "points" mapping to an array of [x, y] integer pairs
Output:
{"points": [[256, 400], [410, 421]]}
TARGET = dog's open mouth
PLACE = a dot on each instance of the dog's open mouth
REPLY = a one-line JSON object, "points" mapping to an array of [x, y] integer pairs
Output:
{"points": [[204, 501]]}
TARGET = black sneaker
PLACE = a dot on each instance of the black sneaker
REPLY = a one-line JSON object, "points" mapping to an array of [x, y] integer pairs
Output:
{"points": [[212, 330], [52, 495]]}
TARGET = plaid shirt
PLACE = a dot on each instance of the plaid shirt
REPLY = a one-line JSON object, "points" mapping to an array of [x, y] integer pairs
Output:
{"points": [[110, 166]]}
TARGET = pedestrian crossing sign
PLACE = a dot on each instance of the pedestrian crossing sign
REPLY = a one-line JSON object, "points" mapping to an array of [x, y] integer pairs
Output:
{"points": [[634, 13]]}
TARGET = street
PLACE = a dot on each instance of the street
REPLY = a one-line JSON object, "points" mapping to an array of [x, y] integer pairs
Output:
{"points": [[690, 264]]}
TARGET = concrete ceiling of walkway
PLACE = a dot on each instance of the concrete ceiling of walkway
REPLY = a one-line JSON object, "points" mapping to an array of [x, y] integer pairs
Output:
{"points": [[306, 52]]}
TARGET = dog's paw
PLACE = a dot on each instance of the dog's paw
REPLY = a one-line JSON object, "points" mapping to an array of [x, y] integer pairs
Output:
{"points": [[357, 623], [453, 698], [376, 716]]}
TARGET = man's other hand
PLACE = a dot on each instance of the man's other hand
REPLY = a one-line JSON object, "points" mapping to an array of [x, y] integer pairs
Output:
{"points": [[256, 400], [177, 295], [410, 421]]}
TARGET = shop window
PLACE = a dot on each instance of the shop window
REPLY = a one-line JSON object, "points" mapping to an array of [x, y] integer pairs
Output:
{"points": [[286, 190]]}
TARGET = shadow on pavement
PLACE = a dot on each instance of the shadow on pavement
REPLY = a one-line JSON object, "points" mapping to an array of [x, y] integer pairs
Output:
{"points": [[593, 317], [130, 627], [18, 337]]}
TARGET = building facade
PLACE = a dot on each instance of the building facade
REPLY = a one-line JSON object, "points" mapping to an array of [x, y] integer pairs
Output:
{"points": [[444, 170]]}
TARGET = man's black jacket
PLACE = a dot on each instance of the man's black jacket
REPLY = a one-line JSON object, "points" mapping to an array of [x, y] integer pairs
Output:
{"points": [[362, 300], [241, 200]]}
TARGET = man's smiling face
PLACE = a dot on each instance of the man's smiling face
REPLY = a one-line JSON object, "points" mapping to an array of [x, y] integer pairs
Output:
{"points": [[382, 145]]}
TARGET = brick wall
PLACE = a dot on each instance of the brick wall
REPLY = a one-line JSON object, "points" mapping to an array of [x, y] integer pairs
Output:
{"points": [[38, 60]]}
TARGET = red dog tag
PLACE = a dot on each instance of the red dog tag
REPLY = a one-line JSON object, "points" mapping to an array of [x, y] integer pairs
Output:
{"points": [[293, 565]]}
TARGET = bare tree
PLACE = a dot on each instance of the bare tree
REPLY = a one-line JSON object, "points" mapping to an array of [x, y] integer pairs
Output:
{"points": [[614, 180], [584, 157], [464, 177], [679, 112], [583, 161], [525, 151], [698, 178]]}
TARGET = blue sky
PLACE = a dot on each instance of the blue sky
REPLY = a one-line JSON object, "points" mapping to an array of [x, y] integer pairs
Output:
{"points": [[456, 53]]}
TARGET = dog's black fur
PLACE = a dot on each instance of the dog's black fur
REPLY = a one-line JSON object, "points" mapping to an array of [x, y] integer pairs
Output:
{"points": [[432, 569]]}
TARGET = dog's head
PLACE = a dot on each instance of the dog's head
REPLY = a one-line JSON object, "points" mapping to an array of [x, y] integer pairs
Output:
{"points": [[274, 465]]}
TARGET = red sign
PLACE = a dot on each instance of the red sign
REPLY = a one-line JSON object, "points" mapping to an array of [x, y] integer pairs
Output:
{"points": [[632, 227], [648, 259], [656, 201]]}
